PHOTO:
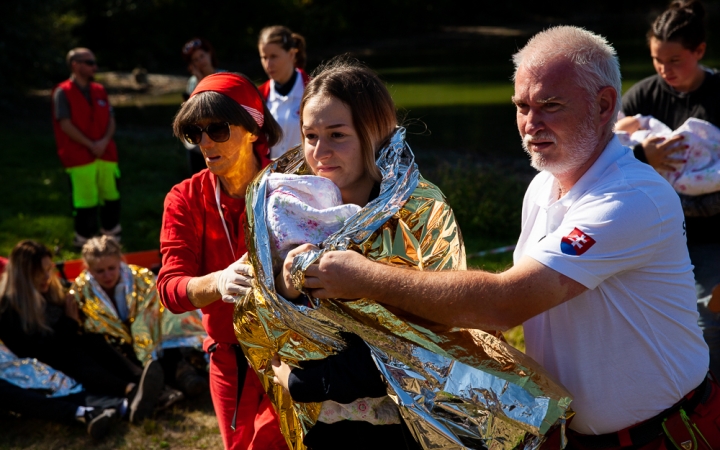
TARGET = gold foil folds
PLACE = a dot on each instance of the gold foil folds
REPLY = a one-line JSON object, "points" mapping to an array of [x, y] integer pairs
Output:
{"points": [[149, 326], [455, 388]]}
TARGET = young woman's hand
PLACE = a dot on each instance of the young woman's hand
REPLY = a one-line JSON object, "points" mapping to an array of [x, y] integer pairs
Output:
{"points": [[281, 371], [283, 282], [659, 150]]}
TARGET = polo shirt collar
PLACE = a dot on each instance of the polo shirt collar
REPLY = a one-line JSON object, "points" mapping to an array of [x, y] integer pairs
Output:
{"points": [[294, 92], [612, 152]]}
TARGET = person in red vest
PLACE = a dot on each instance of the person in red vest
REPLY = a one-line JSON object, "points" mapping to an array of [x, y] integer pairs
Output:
{"points": [[84, 126], [282, 54]]}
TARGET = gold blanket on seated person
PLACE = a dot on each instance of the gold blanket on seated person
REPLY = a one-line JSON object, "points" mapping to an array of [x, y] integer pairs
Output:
{"points": [[149, 326]]}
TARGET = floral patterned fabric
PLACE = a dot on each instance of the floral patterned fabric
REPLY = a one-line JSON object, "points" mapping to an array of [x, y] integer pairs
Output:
{"points": [[700, 173], [302, 209], [377, 411]]}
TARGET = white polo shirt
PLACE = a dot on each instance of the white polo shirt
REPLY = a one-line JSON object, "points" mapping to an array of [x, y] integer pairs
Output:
{"points": [[630, 346], [286, 111]]}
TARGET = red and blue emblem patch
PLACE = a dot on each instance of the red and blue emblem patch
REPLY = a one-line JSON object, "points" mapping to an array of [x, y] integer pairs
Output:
{"points": [[576, 243]]}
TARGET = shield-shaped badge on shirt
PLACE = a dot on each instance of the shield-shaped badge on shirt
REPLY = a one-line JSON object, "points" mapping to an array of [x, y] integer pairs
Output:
{"points": [[576, 243]]}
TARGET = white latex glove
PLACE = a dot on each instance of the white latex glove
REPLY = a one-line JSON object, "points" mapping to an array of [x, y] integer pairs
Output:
{"points": [[236, 280]]}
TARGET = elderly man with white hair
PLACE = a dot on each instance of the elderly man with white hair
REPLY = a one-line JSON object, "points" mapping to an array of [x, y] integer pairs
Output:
{"points": [[602, 280]]}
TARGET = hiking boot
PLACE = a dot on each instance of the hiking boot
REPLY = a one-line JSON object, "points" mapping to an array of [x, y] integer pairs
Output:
{"points": [[188, 380], [169, 397], [97, 421], [145, 394]]}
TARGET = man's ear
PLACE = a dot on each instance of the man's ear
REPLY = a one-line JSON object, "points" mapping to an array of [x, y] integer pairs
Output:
{"points": [[606, 100], [253, 137]]}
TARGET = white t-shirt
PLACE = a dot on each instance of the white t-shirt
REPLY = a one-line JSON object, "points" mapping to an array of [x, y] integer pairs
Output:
{"points": [[286, 110], [629, 347]]}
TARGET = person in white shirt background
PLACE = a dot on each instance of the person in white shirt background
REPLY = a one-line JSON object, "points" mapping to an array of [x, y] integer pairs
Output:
{"points": [[282, 54]]}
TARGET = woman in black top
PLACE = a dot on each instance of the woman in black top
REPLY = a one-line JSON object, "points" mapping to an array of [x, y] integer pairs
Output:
{"points": [[681, 89], [38, 320]]}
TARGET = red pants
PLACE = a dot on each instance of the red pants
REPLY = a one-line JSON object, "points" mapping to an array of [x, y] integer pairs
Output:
{"points": [[706, 417], [257, 426]]}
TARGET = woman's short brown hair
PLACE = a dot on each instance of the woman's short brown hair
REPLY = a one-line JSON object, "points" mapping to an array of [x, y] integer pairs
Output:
{"points": [[217, 107], [370, 103]]}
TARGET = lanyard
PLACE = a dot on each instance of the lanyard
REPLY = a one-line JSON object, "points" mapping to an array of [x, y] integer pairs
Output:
{"points": [[222, 217]]}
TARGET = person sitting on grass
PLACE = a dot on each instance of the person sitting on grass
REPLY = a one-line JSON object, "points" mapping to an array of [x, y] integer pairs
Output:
{"points": [[39, 320], [120, 302], [31, 389]]}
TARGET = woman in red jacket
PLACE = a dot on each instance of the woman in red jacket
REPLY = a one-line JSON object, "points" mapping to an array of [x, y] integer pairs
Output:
{"points": [[202, 241]]}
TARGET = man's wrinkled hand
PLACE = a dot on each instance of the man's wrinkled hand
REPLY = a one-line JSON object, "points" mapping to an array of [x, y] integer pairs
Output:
{"points": [[338, 275]]}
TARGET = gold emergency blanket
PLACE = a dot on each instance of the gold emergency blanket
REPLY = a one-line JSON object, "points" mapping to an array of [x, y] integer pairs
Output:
{"points": [[148, 326], [454, 388]]}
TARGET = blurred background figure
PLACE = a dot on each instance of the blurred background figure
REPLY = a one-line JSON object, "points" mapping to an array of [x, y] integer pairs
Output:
{"points": [[120, 302], [682, 89], [84, 127], [39, 320], [201, 61], [282, 54]]}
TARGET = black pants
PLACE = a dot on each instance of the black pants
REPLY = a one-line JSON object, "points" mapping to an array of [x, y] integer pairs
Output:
{"points": [[33, 403], [100, 368]]}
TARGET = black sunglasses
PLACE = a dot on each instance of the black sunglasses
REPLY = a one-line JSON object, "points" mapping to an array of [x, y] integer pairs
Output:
{"points": [[89, 62], [218, 132]]}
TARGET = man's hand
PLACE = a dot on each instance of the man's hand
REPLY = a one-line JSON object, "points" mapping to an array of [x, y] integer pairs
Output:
{"points": [[236, 280], [338, 275], [281, 371], [98, 147], [283, 282], [659, 150]]}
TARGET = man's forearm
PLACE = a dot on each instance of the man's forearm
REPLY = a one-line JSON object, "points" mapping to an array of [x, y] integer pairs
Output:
{"points": [[459, 299], [467, 299], [110, 132], [202, 291], [74, 133]]}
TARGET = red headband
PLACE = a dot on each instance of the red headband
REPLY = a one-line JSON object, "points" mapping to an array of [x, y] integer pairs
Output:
{"points": [[237, 88], [246, 95]]}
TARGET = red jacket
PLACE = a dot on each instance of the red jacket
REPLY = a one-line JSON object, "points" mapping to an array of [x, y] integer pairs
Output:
{"points": [[91, 119], [265, 87], [193, 243]]}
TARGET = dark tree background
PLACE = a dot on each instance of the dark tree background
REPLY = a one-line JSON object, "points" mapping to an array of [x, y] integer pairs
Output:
{"points": [[36, 34]]}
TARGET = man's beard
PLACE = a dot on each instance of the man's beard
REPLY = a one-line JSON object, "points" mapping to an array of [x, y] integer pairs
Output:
{"points": [[581, 145]]}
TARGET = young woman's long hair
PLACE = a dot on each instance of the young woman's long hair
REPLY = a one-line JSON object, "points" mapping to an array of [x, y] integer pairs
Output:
{"points": [[18, 291]]}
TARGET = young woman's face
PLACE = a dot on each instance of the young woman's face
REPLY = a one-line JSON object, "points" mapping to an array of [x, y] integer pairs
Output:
{"points": [[202, 61], [332, 146], [105, 270], [678, 66], [277, 62], [231, 157], [41, 280]]}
